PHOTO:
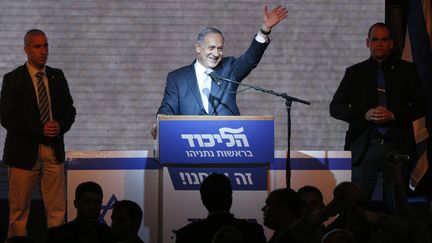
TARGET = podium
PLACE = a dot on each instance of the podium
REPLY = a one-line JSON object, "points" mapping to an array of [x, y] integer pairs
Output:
{"points": [[215, 140], [189, 148]]}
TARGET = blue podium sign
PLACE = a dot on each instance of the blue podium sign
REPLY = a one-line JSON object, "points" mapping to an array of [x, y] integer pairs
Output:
{"points": [[216, 139]]}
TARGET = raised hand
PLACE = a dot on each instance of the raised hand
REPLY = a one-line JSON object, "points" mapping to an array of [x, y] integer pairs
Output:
{"points": [[273, 17]]}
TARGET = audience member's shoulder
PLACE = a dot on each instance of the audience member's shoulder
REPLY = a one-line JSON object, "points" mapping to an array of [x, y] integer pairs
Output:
{"points": [[62, 228], [190, 228], [249, 229], [247, 222], [103, 227], [60, 233]]}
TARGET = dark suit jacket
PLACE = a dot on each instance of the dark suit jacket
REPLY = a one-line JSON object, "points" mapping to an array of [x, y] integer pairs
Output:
{"points": [[182, 96], [76, 232], [357, 94], [20, 116], [203, 231]]}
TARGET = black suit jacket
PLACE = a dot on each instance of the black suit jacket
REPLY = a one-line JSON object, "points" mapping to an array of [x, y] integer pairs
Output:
{"points": [[203, 231], [79, 232], [182, 95], [357, 94], [20, 116]]}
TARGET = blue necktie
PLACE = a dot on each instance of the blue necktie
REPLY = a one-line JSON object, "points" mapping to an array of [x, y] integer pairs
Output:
{"points": [[43, 98], [382, 101]]}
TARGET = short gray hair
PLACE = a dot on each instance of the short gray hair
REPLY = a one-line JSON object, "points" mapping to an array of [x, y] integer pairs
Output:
{"points": [[208, 30]]}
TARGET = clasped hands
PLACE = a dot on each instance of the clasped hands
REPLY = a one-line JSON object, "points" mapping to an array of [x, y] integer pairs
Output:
{"points": [[51, 129], [379, 114]]}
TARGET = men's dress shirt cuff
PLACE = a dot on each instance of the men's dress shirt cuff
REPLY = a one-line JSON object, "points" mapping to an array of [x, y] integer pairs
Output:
{"points": [[261, 38]]}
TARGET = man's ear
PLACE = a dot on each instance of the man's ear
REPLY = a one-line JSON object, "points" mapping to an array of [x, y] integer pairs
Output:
{"points": [[198, 48], [367, 42]]}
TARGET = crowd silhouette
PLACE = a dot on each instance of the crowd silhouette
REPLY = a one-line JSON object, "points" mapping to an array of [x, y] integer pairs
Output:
{"points": [[294, 216]]}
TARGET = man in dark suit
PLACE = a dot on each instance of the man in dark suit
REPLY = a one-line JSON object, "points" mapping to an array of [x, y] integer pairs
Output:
{"points": [[190, 91], [379, 98], [36, 109], [216, 195], [85, 228]]}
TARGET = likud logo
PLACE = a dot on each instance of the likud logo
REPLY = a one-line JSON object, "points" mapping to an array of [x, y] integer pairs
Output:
{"points": [[229, 136]]}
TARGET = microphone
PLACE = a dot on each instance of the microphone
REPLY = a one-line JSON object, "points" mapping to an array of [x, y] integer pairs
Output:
{"points": [[213, 76], [216, 78]]}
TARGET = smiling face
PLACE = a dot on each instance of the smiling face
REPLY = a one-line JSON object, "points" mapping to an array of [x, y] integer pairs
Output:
{"points": [[210, 51], [36, 48], [379, 43]]}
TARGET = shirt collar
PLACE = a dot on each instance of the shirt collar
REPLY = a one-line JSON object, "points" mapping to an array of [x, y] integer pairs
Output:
{"points": [[33, 71], [390, 60], [200, 69]]}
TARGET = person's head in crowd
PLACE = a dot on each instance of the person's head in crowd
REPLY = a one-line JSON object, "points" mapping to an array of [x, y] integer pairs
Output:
{"points": [[379, 41], [126, 220], [228, 234], [282, 207], [36, 48], [216, 192], [19, 239], [349, 192], [88, 200], [353, 199], [209, 47], [311, 199], [338, 236]]}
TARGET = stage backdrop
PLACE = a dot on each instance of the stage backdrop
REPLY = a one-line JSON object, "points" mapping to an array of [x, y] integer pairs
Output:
{"points": [[116, 54]]}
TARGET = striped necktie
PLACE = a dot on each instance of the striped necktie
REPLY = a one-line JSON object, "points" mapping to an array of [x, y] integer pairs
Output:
{"points": [[43, 98]]}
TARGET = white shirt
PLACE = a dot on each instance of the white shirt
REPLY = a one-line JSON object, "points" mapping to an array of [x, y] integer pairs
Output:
{"points": [[204, 84]]}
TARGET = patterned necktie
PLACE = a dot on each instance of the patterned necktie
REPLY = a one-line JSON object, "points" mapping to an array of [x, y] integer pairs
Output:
{"points": [[382, 101], [43, 98]]}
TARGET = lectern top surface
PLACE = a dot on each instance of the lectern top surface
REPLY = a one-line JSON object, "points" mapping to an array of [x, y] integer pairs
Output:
{"points": [[166, 117]]}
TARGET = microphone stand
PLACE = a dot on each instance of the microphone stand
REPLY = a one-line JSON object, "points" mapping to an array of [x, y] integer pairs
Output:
{"points": [[288, 103]]}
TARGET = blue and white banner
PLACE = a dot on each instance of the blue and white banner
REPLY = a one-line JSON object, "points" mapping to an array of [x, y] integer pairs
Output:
{"points": [[130, 175], [216, 141], [242, 179], [170, 198]]}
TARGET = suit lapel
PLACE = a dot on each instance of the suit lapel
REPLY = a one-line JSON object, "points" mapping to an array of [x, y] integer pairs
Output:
{"points": [[51, 77], [371, 97], [31, 88]]}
